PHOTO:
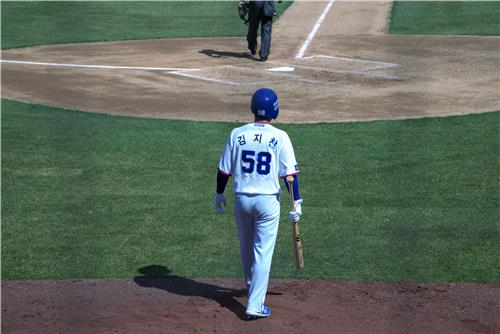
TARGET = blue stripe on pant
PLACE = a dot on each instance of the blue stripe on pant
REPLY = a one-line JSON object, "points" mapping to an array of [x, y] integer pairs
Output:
{"points": [[257, 219]]}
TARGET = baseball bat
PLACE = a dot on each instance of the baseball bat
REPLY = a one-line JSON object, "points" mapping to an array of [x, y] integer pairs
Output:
{"points": [[297, 244]]}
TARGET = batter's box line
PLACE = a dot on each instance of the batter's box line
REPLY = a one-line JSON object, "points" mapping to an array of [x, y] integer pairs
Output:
{"points": [[312, 34], [364, 72], [189, 74], [171, 70], [378, 64]]}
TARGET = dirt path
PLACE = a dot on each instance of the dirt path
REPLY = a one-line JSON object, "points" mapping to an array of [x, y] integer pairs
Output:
{"points": [[180, 305], [350, 71]]}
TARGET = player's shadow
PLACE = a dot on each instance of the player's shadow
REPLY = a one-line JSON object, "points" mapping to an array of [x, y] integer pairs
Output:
{"points": [[226, 54], [155, 276]]}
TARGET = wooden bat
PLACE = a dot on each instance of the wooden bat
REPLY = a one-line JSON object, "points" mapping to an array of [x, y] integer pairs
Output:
{"points": [[297, 244]]}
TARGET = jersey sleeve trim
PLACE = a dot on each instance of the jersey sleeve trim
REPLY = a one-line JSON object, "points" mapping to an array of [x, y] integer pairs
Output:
{"points": [[223, 172]]}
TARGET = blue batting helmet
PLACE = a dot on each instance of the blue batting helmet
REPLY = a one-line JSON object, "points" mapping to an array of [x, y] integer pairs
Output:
{"points": [[265, 103]]}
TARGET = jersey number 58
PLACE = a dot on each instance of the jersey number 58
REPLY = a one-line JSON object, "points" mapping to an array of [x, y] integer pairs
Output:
{"points": [[263, 162]]}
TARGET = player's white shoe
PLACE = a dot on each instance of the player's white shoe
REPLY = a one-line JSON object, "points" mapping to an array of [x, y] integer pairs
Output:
{"points": [[266, 312]]}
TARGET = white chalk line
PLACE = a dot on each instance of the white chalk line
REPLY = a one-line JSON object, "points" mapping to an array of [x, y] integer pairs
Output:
{"points": [[310, 38], [200, 77], [189, 72], [108, 67], [185, 72], [364, 72], [354, 60], [315, 29], [228, 82]]}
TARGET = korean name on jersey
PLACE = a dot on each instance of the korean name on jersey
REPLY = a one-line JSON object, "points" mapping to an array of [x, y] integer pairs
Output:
{"points": [[256, 155]]}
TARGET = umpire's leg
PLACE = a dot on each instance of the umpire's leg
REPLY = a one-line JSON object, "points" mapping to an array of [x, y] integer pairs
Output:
{"points": [[265, 36], [253, 26]]}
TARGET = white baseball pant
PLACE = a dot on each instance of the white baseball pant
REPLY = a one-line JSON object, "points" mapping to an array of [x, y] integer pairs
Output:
{"points": [[257, 219]]}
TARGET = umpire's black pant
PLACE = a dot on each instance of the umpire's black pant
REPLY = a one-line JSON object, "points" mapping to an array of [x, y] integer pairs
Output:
{"points": [[256, 17]]}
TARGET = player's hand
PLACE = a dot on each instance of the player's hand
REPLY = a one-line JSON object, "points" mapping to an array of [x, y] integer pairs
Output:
{"points": [[220, 202], [294, 216]]}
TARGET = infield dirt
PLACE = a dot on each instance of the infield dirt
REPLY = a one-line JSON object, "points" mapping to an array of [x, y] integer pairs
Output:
{"points": [[351, 71]]}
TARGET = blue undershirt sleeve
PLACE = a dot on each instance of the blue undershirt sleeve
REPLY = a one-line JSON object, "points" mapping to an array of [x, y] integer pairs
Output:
{"points": [[296, 194], [221, 182]]}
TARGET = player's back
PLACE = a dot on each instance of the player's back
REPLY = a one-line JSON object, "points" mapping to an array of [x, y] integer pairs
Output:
{"points": [[260, 153]]}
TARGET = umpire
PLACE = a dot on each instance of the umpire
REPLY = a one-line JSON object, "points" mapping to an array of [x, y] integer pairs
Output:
{"points": [[260, 12]]}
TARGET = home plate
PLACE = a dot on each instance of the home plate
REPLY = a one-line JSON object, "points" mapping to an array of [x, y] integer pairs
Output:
{"points": [[281, 69]]}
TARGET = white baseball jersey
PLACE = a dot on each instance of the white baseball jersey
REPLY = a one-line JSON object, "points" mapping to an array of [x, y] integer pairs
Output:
{"points": [[256, 155]]}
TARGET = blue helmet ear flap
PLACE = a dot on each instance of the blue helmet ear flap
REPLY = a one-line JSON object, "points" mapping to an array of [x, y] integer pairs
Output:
{"points": [[265, 103]]}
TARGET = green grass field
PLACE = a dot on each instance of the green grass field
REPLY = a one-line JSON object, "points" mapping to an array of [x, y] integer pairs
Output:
{"points": [[90, 195], [54, 22], [95, 196], [446, 18]]}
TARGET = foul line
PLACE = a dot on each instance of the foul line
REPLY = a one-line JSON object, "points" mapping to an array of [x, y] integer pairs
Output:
{"points": [[109, 67], [185, 72], [315, 29]]}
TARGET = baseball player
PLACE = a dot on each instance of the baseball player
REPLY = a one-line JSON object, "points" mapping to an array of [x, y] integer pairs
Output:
{"points": [[257, 155]]}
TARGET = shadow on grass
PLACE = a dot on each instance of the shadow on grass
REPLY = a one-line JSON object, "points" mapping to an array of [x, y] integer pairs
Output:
{"points": [[155, 276]]}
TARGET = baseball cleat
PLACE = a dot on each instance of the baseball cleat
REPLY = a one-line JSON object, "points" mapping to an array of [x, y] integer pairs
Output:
{"points": [[266, 312]]}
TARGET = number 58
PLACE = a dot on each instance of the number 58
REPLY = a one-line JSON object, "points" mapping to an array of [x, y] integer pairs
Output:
{"points": [[249, 162]]}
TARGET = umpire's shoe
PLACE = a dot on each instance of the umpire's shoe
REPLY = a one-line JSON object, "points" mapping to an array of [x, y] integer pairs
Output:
{"points": [[266, 312]]}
